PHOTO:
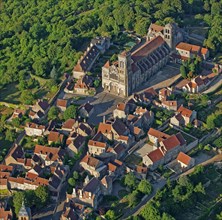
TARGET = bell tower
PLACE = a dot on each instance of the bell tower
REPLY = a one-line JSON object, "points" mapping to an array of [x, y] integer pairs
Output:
{"points": [[169, 35], [125, 71]]}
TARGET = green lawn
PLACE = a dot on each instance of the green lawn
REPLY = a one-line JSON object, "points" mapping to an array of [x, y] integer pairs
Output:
{"points": [[10, 93]]}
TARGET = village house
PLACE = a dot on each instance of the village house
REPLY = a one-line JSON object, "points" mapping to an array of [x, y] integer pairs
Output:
{"points": [[75, 143], [183, 117], [155, 136], [146, 97], [33, 129], [96, 147], [84, 85], [170, 105], [185, 161], [69, 126], [94, 166], [85, 129], [18, 113], [86, 110], [62, 104], [121, 110], [37, 116], [42, 106], [55, 137], [164, 94], [50, 155], [198, 83], [185, 51], [85, 63], [5, 214]]}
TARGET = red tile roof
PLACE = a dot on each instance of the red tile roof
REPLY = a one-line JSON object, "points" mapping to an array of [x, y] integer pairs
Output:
{"points": [[55, 136], [184, 111], [147, 48], [62, 103], [171, 142], [104, 128], [155, 155], [156, 27], [184, 158], [158, 134], [97, 143], [69, 123]]}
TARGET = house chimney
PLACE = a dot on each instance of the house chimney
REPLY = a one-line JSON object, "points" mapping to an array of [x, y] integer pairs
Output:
{"points": [[104, 119]]}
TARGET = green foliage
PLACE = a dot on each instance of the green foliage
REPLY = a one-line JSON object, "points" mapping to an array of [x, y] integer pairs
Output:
{"points": [[42, 195], [133, 198], [27, 97], [150, 212], [75, 175], [211, 121], [219, 216], [70, 112], [53, 73], [130, 180], [110, 215], [97, 83], [53, 113], [10, 135], [72, 182], [145, 187], [18, 198]]}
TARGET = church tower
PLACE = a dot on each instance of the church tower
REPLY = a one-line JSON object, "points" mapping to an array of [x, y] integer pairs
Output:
{"points": [[169, 33], [125, 71]]}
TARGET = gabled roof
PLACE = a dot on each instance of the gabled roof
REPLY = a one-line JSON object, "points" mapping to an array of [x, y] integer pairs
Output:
{"points": [[155, 155], [87, 106], [92, 185], [156, 27], [171, 142], [97, 144], [44, 105], [170, 103], [55, 136], [90, 161], [69, 123], [147, 48], [184, 111], [104, 128], [184, 158], [62, 103], [158, 134]]}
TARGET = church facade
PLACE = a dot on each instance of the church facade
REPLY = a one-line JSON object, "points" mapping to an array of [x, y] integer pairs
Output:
{"points": [[132, 69]]}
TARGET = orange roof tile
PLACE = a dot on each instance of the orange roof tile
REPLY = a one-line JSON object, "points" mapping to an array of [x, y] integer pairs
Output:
{"points": [[184, 158], [155, 155], [156, 27], [185, 111], [97, 143]]}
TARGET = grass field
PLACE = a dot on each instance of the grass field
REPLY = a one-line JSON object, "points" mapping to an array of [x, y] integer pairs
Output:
{"points": [[10, 93]]}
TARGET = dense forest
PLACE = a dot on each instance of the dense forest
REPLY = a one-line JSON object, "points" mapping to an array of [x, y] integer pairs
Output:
{"points": [[37, 35]]}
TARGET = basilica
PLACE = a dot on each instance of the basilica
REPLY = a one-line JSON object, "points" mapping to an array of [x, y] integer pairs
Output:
{"points": [[132, 69]]}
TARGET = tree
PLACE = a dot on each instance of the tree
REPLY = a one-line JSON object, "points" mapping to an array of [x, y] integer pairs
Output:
{"points": [[219, 216], [96, 83], [145, 187], [70, 112], [75, 175], [150, 212], [199, 188], [53, 73], [18, 199], [210, 121], [110, 215], [53, 113], [72, 182], [10, 135], [133, 198], [183, 71], [166, 216], [42, 195], [27, 97], [130, 180]]}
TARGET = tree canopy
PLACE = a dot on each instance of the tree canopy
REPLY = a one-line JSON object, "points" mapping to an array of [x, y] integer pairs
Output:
{"points": [[43, 37]]}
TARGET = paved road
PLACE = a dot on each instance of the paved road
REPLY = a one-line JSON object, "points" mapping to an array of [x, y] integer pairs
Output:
{"points": [[215, 84]]}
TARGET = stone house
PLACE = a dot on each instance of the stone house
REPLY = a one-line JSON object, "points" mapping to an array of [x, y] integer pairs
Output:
{"points": [[75, 143], [183, 117], [69, 126], [84, 85], [55, 137], [156, 136], [94, 166], [36, 115], [185, 161], [96, 147], [62, 104], [121, 110], [42, 106], [86, 110], [6, 214], [170, 105], [33, 129]]}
